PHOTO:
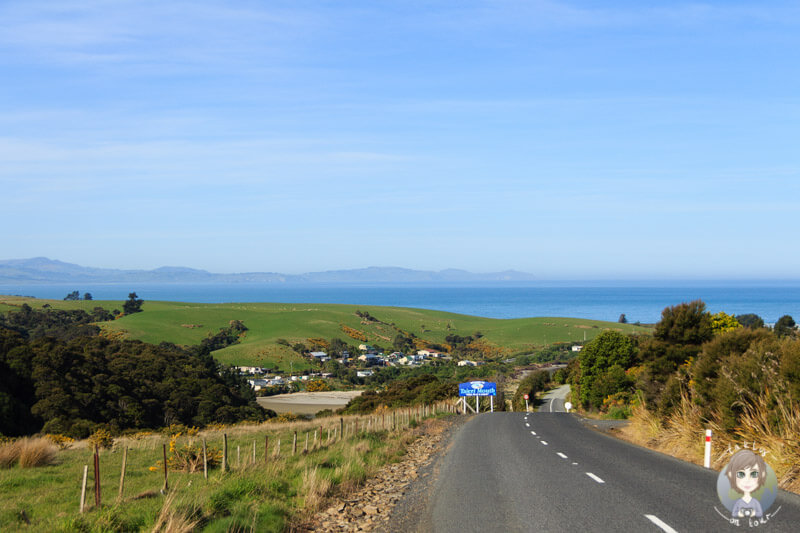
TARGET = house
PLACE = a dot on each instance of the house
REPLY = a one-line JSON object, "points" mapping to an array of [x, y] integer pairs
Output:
{"points": [[318, 354], [364, 373], [467, 363], [250, 370], [430, 353], [365, 347], [577, 348], [258, 384], [411, 360]]}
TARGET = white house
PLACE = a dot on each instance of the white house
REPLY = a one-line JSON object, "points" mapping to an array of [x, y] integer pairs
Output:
{"points": [[250, 369], [364, 373], [467, 363], [577, 348], [430, 353]]}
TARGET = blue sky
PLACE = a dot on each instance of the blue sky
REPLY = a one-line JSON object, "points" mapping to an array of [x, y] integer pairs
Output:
{"points": [[582, 139]]}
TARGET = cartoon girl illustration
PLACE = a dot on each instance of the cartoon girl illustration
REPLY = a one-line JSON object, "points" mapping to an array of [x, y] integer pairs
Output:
{"points": [[747, 472]]}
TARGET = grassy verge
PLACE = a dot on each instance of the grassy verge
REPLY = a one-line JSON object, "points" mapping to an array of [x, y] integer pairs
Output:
{"points": [[770, 423], [268, 493]]}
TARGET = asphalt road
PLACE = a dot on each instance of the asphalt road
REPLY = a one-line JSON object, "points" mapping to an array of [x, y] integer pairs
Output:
{"points": [[553, 400], [547, 472]]}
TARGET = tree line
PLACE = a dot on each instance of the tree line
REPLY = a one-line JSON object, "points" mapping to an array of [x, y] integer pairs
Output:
{"points": [[58, 375], [716, 361]]}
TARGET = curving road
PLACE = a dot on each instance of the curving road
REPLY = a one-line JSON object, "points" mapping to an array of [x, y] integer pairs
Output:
{"points": [[518, 472], [553, 400]]}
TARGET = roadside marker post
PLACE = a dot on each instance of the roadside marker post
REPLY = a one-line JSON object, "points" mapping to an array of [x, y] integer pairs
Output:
{"points": [[707, 455], [526, 403]]}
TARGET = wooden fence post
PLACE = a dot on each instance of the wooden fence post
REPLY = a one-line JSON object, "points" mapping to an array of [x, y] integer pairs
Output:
{"points": [[205, 459], [238, 456], [224, 452], [341, 428], [266, 448], [83, 487], [122, 473], [254, 451], [305, 448], [294, 444], [278, 448], [96, 478], [166, 480]]}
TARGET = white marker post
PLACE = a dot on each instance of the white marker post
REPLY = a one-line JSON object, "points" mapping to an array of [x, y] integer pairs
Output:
{"points": [[526, 402], [707, 456], [568, 406]]}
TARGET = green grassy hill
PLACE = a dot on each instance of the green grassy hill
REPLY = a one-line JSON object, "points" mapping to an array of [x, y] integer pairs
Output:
{"points": [[189, 323]]}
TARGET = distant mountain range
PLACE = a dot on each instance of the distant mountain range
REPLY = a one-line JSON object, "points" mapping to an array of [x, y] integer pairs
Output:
{"points": [[44, 270]]}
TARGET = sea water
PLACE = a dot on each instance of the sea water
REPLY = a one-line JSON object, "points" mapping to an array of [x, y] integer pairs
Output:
{"points": [[601, 301]]}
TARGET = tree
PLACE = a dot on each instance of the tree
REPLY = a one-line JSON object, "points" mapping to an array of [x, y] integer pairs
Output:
{"points": [[750, 320], [622, 319], [132, 305], [608, 349], [685, 324], [87, 296], [74, 295], [785, 326]]}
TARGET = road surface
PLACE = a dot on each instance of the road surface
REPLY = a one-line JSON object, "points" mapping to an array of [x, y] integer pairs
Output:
{"points": [[523, 472], [553, 401]]}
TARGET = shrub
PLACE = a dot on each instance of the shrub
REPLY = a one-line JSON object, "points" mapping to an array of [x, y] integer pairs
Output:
{"points": [[101, 439], [62, 441], [188, 457]]}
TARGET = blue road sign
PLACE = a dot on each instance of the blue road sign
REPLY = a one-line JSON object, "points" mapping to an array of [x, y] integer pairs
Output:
{"points": [[477, 388]]}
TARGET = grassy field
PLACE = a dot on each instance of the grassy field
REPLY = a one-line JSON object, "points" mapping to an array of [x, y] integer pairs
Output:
{"points": [[267, 494], [189, 323]]}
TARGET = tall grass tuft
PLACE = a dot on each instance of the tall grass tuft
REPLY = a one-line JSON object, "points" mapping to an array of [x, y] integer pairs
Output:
{"points": [[9, 454], [170, 520], [772, 423], [29, 452], [683, 431], [315, 487], [644, 426]]}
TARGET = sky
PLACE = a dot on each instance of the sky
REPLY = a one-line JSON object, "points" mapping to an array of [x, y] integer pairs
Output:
{"points": [[568, 139]]}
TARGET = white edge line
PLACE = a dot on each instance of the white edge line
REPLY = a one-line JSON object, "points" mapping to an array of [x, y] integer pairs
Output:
{"points": [[594, 477], [561, 455], [533, 433], [660, 523]]}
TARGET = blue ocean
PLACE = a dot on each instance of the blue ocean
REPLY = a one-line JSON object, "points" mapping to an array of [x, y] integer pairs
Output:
{"points": [[602, 301]]}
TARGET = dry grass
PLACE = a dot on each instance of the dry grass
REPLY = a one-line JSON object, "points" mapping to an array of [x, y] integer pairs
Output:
{"points": [[9, 454], [28, 452], [171, 520], [769, 423], [316, 489]]}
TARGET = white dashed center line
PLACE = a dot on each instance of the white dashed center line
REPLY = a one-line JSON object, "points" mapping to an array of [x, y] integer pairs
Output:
{"points": [[594, 477], [561, 455], [533, 433], [527, 425], [660, 523], [543, 442]]}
